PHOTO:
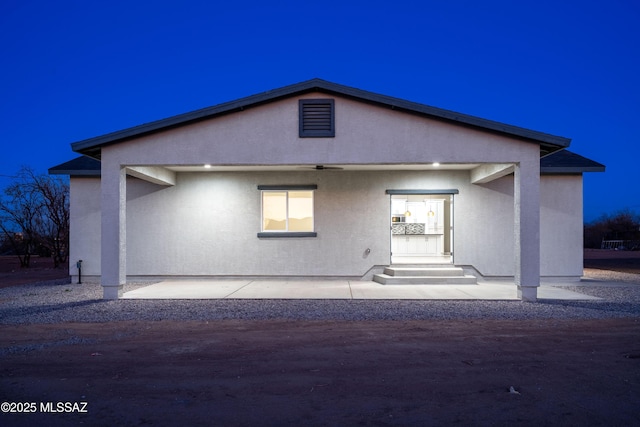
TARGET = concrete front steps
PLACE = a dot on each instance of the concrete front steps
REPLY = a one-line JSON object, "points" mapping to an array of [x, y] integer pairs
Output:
{"points": [[425, 275]]}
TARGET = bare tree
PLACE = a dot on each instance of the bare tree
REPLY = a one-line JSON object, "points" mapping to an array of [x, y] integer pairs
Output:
{"points": [[34, 214], [54, 227], [20, 212]]}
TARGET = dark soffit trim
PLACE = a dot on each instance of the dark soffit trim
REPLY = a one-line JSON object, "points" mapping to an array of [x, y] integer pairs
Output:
{"points": [[410, 192], [288, 187], [287, 234]]}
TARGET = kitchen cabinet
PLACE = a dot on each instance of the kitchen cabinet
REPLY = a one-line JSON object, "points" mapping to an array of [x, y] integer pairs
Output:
{"points": [[417, 244]]}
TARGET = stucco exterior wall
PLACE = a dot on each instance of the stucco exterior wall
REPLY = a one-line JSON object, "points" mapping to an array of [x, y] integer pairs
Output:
{"points": [[208, 223], [484, 227], [561, 230], [85, 233], [365, 134]]}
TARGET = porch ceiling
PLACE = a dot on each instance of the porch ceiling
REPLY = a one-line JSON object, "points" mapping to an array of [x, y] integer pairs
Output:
{"points": [[300, 168]]}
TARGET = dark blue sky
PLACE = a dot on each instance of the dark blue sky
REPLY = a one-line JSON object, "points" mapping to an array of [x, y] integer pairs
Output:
{"points": [[76, 69]]}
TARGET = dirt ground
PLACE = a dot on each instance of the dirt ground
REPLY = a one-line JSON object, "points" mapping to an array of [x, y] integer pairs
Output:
{"points": [[275, 373], [625, 261], [40, 270]]}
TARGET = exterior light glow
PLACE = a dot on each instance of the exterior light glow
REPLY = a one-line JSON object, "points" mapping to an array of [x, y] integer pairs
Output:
{"points": [[436, 164], [207, 166]]}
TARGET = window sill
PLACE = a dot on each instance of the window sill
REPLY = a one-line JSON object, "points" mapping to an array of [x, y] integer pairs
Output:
{"points": [[287, 234]]}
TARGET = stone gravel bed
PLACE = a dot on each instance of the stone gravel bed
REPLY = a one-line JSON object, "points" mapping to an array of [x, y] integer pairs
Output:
{"points": [[55, 303]]}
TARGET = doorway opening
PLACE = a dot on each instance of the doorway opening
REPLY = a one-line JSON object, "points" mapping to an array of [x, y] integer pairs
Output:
{"points": [[422, 228]]}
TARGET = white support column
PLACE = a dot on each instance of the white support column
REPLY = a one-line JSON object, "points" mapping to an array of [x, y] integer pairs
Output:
{"points": [[114, 231], [526, 199]]}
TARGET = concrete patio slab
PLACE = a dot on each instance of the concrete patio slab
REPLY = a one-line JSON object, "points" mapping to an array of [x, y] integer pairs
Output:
{"points": [[339, 289], [290, 289], [188, 289]]}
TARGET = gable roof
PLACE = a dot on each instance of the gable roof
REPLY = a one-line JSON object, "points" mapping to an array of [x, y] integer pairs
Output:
{"points": [[548, 143], [80, 166], [567, 162]]}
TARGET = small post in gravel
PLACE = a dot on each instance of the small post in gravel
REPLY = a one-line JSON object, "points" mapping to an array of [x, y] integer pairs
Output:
{"points": [[79, 266]]}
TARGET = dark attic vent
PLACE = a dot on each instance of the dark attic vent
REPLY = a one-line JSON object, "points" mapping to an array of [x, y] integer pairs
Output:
{"points": [[317, 118]]}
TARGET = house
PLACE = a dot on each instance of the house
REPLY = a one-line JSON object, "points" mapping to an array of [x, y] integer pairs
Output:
{"points": [[321, 180]]}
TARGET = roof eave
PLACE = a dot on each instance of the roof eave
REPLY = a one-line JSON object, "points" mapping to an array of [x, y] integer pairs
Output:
{"points": [[75, 173], [570, 170]]}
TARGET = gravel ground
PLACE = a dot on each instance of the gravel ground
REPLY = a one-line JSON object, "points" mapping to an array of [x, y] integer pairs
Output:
{"points": [[60, 302]]}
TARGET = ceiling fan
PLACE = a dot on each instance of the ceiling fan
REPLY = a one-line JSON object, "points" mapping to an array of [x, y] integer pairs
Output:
{"points": [[321, 167]]}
